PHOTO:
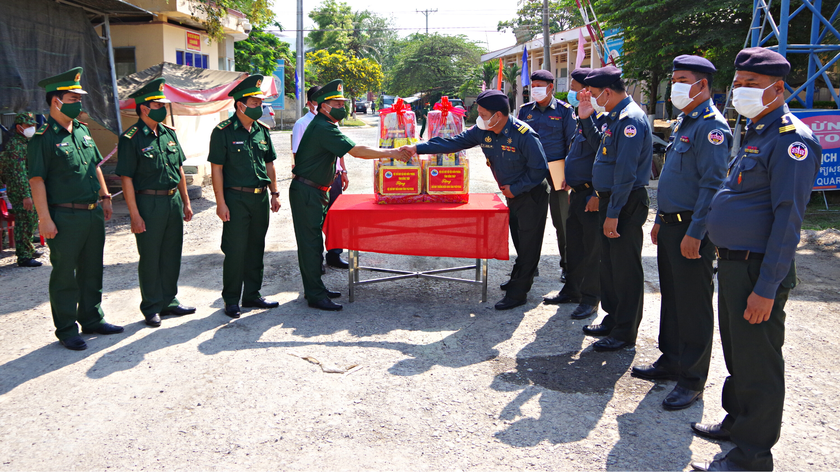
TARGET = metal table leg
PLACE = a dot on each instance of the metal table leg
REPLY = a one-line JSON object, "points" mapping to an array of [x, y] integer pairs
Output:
{"points": [[354, 267], [484, 280]]}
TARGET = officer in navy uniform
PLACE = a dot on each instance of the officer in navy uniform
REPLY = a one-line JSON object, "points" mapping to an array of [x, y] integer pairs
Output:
{"points": [[620, 174], [695, 166], [517, 159], [754, 220], [583, 244], [554, 121]]}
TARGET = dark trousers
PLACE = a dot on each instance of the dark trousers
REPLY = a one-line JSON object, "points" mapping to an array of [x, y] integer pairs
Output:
{"points": [[686, 319], [243, 242], [528, 212], [76, 277], [160, 251], [26, 222], [309, 207], [754, 392], [335, 191], [583, 246], [558, 204], [622, 276]]}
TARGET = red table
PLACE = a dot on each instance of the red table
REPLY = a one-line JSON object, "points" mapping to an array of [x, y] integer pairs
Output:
{"points": [[476, 230]]}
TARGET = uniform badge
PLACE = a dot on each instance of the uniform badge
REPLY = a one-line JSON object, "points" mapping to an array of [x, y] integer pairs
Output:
{"points": [[529, 117], [62, 144], [171, 143], [604, 128], [488, 139], [761, 126], [259, 83], [78, 77], [239, 142], [629, 131], [557, 118], [161, 88], [684, 139], [147, 149], [716, 137], [798, 151], [751, 149], [340, 88], [510, 140]]}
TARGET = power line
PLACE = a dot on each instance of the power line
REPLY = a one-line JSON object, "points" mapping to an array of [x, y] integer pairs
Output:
{"points": [[426, 14]]}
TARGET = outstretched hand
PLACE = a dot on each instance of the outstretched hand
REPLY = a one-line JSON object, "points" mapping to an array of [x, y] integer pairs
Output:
{"points": [[585, 109]]}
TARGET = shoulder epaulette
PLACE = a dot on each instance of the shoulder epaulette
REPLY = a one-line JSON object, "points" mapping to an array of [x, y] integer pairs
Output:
{"points": [[524, 105], [565, 104], [523, 128], [624, 113], [787, 129], [129, 133], [223, 124], [264, 125], [599, 115], [709, 115], [167, 126], [83, 123], [42, 129]]}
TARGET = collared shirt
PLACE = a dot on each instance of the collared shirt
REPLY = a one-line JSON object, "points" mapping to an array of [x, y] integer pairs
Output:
{"points": [[762, 201], [13, 169], [152, 161], [625, 152], [321, 145], [555, 125], [243, 153], [66, 161], [695, 165], [581, 155], [515, 155], [299, 129]]}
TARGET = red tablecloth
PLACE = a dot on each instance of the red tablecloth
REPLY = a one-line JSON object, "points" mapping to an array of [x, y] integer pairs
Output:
{"points": [[477, 230]]}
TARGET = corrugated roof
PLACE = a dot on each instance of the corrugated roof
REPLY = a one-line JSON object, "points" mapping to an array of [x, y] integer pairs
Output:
{"points": [[109, 7]]}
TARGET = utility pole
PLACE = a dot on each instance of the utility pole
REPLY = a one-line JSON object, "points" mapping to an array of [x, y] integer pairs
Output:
{"points": [[426, 13], [546, 39], [300, 59]]}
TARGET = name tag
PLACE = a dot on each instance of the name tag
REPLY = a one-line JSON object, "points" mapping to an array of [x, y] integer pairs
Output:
{"points": [[553, 117], [147, 149], [684, 139], [62, 144], [239, 142]]}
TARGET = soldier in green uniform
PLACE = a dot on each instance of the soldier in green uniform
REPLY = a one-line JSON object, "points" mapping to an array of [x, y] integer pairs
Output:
{"points": [[242, 159], [155, 189], [13, 170], [67, 185], [314, 171]]}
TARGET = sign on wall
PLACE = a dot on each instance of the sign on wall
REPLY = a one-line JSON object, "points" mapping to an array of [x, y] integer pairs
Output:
{"points": [[826, 127], [193, 41], [279, 102]]}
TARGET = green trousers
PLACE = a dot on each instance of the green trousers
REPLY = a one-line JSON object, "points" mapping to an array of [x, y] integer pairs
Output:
{"points": [[754, 392], [243, 243], [76, 277], [26, 222], [160, 251], [309, 208]]}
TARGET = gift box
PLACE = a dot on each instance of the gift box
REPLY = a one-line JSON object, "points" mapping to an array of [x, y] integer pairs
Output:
{"points": [[396, 181], [446, 176]]}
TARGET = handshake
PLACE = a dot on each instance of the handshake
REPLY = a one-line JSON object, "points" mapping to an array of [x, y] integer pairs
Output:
{"points": [[402, 153]]}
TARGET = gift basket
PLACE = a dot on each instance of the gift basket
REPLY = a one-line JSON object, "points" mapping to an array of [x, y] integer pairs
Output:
{"points": [[446, 176], [396, 181]]}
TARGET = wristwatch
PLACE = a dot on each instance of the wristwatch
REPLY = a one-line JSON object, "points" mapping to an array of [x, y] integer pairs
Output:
{"points": [[275, 194], [105, 197]]}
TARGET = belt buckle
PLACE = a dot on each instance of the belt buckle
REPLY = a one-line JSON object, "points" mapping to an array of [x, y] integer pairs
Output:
{"points": [[91, 206], [679, 218], [257, 190], [171, 192]]}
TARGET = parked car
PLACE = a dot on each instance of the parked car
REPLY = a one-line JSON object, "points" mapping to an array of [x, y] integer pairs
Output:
{"points": [[361, 107], [268, 116]]}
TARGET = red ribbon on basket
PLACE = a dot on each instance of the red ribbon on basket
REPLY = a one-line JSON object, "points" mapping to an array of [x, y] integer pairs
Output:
{"points": [[399, 107], [445, 107]]}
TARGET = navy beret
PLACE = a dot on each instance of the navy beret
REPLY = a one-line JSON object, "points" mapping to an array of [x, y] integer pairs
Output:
{"points": [[762, 61], [493, 100], [694, 63], [543, 75], [580, 74], [603, 77]]}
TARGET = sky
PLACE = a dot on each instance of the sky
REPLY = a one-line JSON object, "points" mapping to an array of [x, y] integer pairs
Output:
{"points": [[477, 19]]}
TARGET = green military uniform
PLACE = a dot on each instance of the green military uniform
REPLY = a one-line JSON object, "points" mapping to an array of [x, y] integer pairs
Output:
{"points": [[67, 162], [243, 155], [16, 178], [314, 171], [153, 161]]}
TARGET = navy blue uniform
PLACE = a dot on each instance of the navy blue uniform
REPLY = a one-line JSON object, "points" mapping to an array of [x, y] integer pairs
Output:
{"points": [[516, 158], [619, 175], [759, 209]]}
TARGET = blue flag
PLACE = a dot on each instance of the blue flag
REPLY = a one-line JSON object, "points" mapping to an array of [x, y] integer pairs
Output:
{"points": [[297, 86], [526, 77]]}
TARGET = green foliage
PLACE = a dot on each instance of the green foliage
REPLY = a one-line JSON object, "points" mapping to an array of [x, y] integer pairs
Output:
{"points": [[561, 95], [363, 34], [359, 75], [562, 15], [432, 63], [489, 70], [259, 53], [471, 86], [511, 73], [258, 12]]}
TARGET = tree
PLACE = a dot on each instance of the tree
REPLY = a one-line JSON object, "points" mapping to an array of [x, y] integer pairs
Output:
{"points": [[360, 75], [259, 53], [432, 63], [472, 86], [562, 15], [258, 12], [371, 35], [489, 71], [511, 73], [333, 24]]}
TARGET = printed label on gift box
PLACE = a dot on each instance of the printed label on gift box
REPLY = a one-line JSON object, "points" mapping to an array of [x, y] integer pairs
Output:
{"points": [[399, 180], [446, 180]]}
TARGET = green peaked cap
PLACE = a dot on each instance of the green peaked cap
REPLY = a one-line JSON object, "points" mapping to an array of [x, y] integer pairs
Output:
{"points": [[332, 91], [66, 81], [250, 87], [151, 92]]}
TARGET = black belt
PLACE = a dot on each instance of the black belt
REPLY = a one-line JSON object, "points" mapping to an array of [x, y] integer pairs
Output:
{"points": [[673, 218], [76, 206], [603, 195], [169, 192], [248, 189], [581, 187], [311, 183], [730, 255]]}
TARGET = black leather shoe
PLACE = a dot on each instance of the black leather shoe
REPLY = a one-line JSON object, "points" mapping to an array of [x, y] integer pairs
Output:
{"points": [[152, 320], [233, 310], [584, 311], [337, 262], [562, 275], [717, 464], [29, 263], [326, 304], [711, 430], [653, 372], [681, 398], [259, 303], [560, 298], [332, 294], [610, 344], [596, 330], [505, 286], [104, 328], [179, 310], [76, 343], [507, 303]]}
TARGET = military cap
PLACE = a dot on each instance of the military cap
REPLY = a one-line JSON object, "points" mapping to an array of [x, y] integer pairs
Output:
{"points": [[25, 118], [762, 61], [694, 64], [580, 74], [543, 75], [493, 100], [603, 77], [332, 91], [151, 92], [249, 87], [64, 82]]}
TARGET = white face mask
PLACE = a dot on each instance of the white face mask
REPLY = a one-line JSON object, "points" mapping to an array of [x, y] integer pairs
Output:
{"points": [[595, 105], [539, 93], [748, 100], [680, 95], [484, 125], [29, 132]]}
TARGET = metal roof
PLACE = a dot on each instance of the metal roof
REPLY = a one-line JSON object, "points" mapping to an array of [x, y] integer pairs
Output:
{"points": [[106, 7]]}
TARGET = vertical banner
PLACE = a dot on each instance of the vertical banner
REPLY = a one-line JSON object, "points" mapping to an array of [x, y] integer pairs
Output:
{"points": [[826, 127], [525, 76], [499, 78], [193, 41], [278, 76]]}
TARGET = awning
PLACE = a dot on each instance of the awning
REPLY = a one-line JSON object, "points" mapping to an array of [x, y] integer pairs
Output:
{"points": [[107, 7]]}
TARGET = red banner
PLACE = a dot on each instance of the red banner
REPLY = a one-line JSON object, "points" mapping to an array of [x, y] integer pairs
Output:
{"points": [[446, 180], [399, 180], [193, 41]]}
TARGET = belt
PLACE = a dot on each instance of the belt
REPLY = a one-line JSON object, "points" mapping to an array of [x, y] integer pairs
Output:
{"points": [[311, 183], [248, 189], [672, 218], [76, 206], [169, 192], [603, 195], [581, 187], [730, 255]]}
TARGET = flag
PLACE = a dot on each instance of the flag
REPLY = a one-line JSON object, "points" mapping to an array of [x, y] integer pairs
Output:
{"points": [[499, 79], [581, 52], [297, 86], [526, 76]]}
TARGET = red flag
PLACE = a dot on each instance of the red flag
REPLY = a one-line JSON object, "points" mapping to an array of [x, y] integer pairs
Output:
{"points": [[499, 85]]}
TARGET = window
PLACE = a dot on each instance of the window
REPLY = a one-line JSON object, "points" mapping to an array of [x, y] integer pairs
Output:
{"points": [[179, 57], [193, 59], [124, 62]]}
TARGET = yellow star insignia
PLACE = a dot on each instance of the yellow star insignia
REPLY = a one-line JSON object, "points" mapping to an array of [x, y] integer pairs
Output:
{"points": [[510, 140]]}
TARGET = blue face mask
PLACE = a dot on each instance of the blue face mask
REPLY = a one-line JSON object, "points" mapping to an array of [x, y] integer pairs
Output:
{"points": [[572, 98]]}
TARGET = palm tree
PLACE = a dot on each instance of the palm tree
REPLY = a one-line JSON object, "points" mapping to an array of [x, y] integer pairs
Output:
{"points": [[488, 72], [511, 73]]}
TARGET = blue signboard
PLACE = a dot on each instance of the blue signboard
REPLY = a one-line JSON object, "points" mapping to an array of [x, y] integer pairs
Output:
{"points": [[615, 43], [826, 126], [279, 74]]}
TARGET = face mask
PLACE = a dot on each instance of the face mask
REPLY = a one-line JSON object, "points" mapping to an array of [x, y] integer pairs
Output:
{"points": [[679, 95], [483, 125], [748, 101], [539, 93], [572, 98], [29, 132], [595, 105], [337, 114], [158, 114], [254, 113], [70, 110]]}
